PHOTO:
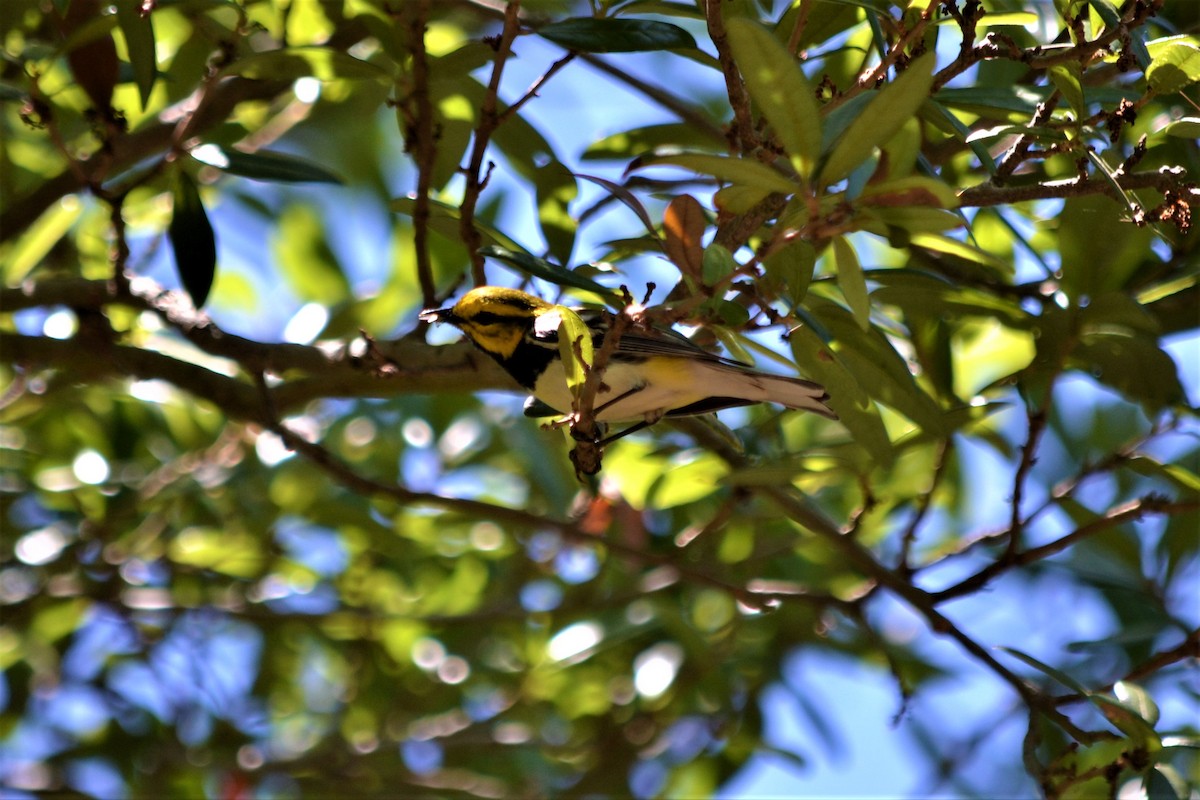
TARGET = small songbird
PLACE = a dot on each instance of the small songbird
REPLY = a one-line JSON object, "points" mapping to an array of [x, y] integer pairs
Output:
{"points": [[652, 373]]}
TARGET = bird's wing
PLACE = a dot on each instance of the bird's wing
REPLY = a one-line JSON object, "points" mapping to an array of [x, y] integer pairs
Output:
{"points": [[636, 343]]}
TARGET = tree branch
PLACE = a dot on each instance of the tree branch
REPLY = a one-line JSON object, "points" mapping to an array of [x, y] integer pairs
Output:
{"points": [[420, 140], [989, 194], [1129, 512]]}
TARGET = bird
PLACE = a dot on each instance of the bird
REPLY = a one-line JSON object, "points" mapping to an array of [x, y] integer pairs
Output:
{"points": [[652, 373]]}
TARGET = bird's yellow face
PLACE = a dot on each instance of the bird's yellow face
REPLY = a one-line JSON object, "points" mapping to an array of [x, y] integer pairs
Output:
{"points": [[495, 319]]}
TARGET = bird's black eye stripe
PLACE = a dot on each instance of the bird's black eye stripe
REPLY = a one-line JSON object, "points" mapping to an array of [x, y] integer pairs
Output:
{"points": [[489, 318]]}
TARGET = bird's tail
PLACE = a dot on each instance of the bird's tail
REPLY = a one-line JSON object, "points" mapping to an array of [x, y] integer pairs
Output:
{"points": [[761, 387]]}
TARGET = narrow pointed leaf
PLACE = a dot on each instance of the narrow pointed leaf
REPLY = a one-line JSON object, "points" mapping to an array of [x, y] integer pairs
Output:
{"points": [[782, 93], [192, 241], [592, 35], [738, 171], [139, 42], [852, 282], [879, 121], [265, 165], [547, 271]]}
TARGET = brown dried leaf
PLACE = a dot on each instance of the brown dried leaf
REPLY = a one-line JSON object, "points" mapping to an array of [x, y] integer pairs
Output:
{"points": [[684, 223]]}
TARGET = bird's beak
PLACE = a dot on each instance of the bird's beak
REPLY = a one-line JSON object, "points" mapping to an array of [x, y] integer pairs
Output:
{"points": [[437, 315]]}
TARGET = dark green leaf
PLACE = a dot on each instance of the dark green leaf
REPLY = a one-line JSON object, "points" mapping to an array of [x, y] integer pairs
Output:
{"points": [[139, 43], [192, 240], [1162, 782], [265, 165], [593, 35], [625, 196], [1133, 364], [304, 62], [547, 271], [1057, 674]]}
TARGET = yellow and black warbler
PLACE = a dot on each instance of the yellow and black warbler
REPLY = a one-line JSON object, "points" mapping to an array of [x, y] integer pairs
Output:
{"points": [[652, 373]]}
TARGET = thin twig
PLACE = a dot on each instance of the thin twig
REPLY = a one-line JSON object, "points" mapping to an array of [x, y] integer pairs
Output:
{"points": [[488, 120], [802, 511], [924, 503], [871, 79], [421, 142], [797, 33], [1037, 424], [533, 90], [687, 112]]}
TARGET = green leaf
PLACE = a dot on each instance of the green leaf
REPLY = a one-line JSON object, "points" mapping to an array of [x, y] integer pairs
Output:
{"points": [[303, 62], [908, 192], [533, 157], [791, 267], [1164, 783], [574, 333], [717, 264], [1174, 66], [1091, 264], [1066, 78], [444, 220], [1057, 674], [1184, 127], [877, 367], [852, 282], [783, 94], [306, 260], [879, 120], [36, 241], [555, 189], [1108, 12], [264, 165], [1178, 474], [1137, 700], [1133, 364], [738, 171], [139, 43], [846, 396], [961, 250], [592, 35], [637, 141], [1129, 720], [547, 271], [738, 199], [192, 240]]}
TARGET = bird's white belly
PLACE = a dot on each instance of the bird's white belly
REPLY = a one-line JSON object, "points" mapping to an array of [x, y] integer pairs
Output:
{"points": [[673, 387]]}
